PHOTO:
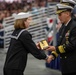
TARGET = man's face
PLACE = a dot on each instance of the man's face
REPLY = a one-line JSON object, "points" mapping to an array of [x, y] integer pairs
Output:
{"points": [[62, 16]]}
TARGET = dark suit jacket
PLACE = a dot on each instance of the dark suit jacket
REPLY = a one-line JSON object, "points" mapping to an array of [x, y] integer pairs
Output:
{"points": [[68, 40], [20, 45]]}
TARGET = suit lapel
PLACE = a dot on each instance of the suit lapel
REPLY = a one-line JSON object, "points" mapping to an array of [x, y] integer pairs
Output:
{"points": [[63, 33]]}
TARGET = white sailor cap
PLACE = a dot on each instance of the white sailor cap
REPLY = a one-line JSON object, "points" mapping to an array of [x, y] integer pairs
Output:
{"points": [[22, 15], [63, 7], [68, 2]]}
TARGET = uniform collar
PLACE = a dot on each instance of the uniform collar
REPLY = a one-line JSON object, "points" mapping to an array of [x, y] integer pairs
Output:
{"points": [[67, 22]]}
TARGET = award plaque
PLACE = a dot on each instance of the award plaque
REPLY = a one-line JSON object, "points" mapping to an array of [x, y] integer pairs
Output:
{"points": [[43, 44]]}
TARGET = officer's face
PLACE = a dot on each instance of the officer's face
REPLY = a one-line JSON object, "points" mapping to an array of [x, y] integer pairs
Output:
{"points": [[63, 17]]}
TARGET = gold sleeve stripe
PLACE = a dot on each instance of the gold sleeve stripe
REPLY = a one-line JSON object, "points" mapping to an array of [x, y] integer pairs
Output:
{"points": [[61, 49], [54, 52]]}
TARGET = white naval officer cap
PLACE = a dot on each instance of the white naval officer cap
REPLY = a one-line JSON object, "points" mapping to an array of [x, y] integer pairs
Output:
{"points": [[68, 2], [22, 15], [63, 7]]}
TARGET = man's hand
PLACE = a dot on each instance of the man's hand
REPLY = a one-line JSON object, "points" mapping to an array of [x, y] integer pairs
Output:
{"points": [[50, 48]]}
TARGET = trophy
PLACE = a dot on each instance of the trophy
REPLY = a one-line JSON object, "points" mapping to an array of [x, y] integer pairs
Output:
{"points": [[43, 44]]}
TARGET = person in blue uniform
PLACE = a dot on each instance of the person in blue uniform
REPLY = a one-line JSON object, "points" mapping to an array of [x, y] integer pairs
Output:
{"points": [[66, 47], [20, 45]]}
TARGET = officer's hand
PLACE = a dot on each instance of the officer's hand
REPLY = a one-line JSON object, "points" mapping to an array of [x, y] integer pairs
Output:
{"points": [[50, 48]]}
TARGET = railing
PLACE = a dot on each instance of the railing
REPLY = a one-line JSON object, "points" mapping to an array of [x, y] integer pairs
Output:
{"points": [[37, 27]]}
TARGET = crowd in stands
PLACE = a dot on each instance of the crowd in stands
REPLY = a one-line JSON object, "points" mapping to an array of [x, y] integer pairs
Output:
{"points": [[7, 9]]}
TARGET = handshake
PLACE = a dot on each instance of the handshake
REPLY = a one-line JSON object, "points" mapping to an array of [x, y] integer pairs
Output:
{"points": [[43, 45], [49, 58]]}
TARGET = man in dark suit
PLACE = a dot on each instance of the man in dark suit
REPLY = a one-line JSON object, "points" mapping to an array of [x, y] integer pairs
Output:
{"points": [[66, 47]]}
